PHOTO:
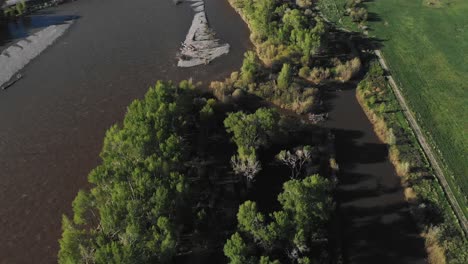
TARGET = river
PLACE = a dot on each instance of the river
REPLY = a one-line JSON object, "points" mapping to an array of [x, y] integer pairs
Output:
{"points": [[52, 122], [376, 225], [54, 119]]}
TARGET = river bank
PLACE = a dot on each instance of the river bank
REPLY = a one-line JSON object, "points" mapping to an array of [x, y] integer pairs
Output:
{"points": [[54, 118], [17, 56]]}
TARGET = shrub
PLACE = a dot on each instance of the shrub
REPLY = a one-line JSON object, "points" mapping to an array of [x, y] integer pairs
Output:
{"points": [[359, 14], [345, 72], [222, 90], [304, 72], [317, 75], [304, 3]]}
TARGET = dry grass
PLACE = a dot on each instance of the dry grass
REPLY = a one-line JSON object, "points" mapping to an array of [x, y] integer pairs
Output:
{"points": [[435, 253], [410, 195]]}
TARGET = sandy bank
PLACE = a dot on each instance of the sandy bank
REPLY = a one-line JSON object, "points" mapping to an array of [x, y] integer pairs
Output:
{"points": [[17, 56]]}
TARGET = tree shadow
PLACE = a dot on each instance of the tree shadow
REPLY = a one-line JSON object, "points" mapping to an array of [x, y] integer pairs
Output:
{"points": [[373, 17]]}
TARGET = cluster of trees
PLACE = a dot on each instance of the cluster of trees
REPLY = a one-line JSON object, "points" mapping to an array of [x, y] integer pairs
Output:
{"points": [[279, 30], [134, 212], [146, 200], [250, 132], [298, 232], [295, 234], [286, 35]]}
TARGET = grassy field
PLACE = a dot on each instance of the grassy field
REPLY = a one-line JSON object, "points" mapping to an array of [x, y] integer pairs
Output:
{"points": [[426, 48]]}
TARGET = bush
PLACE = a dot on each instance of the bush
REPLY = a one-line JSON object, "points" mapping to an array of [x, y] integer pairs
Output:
{"points": [[317, 75], [359, 14], [304, 72], [345, 72], [304, 3]]}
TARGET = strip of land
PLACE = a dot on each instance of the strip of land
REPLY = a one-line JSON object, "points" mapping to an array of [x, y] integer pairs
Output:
{"points": [[425, 145], [17, 56]]}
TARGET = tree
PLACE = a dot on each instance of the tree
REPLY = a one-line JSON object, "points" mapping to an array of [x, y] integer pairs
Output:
{"points": [[250, 67], [246, 165], [250, 131], [296, 160], [308, 201], [305, 208], [285, 77], [253, 222], [237, 250], [262, 16], [131, 213], [266, 260]]}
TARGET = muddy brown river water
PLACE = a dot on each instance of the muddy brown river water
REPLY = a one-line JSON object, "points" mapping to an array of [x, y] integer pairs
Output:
{"points": [[52, 123]]}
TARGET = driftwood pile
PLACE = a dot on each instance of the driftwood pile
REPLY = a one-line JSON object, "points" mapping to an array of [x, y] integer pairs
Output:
{"points": [[200, 45], [317, 118]]}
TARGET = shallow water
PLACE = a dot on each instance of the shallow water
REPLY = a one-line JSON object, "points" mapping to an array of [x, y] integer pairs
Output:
{"points": [[52, 122]]}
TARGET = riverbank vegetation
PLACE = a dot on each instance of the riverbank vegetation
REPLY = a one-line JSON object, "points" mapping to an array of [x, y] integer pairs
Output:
{"points": [[293, 57], [22, 8], [171, 181], [445, 240], [15, 10]]}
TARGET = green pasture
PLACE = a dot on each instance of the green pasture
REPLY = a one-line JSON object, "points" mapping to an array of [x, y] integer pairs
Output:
{"points": [[425, 44]]}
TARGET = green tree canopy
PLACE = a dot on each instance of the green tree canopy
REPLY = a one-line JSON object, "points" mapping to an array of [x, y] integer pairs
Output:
{"points": [[131, 213]]}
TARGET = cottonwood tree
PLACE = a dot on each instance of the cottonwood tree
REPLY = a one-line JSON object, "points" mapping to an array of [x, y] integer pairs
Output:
{"points": [[131, 213], [250, 131], [246, 165], [305, 208], [237, 250], [296, 159]]}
